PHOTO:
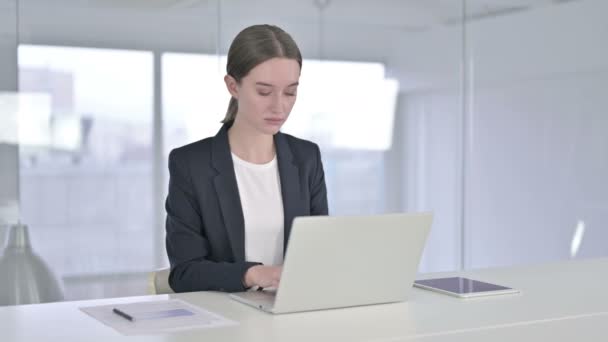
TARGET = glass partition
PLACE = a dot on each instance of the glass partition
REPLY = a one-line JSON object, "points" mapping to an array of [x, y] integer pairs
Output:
{"points": [[538, 183]]}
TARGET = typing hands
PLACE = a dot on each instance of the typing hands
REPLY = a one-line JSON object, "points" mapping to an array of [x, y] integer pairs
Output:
{"points": [[263, 276]]}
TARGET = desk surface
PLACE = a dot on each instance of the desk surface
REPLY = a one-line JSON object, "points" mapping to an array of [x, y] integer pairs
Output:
{"points": [[557, 300]]}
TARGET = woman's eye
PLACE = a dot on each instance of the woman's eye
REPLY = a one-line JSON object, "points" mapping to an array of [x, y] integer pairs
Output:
{"points": [[290, 94], [263, 93]]}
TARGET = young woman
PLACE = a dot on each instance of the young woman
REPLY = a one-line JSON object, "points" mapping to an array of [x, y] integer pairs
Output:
{"points": [[232, 197]]}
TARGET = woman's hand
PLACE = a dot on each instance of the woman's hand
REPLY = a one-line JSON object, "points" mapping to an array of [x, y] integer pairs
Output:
{"points": [[263, 276]]}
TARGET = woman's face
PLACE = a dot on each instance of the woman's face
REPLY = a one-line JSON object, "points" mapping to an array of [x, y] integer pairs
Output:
{"points": [[266, 95]]}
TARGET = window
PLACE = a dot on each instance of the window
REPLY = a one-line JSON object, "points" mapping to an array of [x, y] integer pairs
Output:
{"points": [[86, 168]]}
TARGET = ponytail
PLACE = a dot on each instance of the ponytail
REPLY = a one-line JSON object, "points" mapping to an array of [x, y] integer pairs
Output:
{"points": [[233, 107]]}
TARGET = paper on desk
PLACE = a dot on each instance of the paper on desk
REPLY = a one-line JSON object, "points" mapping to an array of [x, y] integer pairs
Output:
{"points": [[157, 317]]}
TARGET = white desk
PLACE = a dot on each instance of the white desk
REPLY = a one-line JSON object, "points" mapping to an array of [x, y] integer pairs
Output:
{"points": [[583, 328], [557, 300]]}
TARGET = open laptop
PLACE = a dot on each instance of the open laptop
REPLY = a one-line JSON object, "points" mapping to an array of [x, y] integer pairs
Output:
{"points": [[335, 262]]}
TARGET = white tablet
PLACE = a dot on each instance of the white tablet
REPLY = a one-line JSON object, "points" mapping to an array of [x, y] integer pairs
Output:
{"points": [[463, 287]]}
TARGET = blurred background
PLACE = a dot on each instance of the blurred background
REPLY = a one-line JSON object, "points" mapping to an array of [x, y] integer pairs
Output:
{"points": [[492, 114]]}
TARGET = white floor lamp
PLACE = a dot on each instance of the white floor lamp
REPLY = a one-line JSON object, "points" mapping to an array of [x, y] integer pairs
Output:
{"points": [[24, 276]]}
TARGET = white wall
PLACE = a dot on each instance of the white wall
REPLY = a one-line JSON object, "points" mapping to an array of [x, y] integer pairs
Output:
{"points": [[539, 166], [539, 149], [434, 169], [536, 146]]}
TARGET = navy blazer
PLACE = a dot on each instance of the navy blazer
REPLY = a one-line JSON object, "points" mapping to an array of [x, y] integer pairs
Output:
{"points": [[205, 226]]}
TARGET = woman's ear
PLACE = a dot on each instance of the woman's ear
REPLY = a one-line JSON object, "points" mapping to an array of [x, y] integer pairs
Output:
{"points": [[232, 86]]}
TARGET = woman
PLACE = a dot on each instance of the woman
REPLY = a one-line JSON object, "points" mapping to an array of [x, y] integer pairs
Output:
{"points": [[232, 197]]}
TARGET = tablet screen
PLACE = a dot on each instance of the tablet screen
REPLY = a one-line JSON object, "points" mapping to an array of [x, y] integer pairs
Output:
{"points": [[460, 285]]}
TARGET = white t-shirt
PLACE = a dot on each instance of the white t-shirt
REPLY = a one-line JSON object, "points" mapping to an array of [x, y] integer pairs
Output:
{"points": [[260, 192]]}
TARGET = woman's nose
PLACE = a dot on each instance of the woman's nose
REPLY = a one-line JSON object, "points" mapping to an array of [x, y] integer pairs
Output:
{"points": [[278, 103]]}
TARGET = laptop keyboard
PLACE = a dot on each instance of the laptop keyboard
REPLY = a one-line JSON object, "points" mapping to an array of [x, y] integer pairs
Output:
{"points": [[266, 298]]}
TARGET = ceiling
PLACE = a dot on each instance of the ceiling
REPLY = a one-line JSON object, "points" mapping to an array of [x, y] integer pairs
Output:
{"points": [[407, 15]]}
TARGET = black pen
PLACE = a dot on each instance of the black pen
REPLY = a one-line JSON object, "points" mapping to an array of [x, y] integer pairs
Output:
{"points": [[123, 314]]}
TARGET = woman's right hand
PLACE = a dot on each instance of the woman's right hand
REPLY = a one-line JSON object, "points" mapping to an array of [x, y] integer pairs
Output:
{"points": [[263, 276]]}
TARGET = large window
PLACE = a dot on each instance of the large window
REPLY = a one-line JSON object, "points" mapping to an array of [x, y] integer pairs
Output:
{"points": [[85, 164]]}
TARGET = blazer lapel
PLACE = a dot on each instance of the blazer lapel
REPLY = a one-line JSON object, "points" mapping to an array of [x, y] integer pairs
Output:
{"points": [[290, 183], [228, 193]]}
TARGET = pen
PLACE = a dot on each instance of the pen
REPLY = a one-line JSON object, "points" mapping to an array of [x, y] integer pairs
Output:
{"points": [[123, 314]]}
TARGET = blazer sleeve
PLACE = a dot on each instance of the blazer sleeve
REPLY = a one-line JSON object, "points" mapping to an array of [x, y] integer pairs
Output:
{"points": [[318, 190], [187, 246]]}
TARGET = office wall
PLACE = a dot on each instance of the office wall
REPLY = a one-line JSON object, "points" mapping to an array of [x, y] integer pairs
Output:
{"points": [[535, 146], [539, 152], [434, 172], [539, 163], [8, 55], [9, 166]]}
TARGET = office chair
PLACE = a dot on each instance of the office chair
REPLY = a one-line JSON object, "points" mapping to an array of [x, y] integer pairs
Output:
{"points": [[158, 282]]}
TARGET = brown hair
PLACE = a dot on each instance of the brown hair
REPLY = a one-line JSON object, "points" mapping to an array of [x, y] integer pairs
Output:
{"points": [[255, 45]]}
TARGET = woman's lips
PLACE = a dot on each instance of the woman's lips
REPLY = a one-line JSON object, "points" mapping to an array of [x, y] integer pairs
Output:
{"points": [[274, 121]]}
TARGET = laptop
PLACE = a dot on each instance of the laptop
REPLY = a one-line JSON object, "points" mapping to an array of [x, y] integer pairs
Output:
{"points": [[337, 262]]}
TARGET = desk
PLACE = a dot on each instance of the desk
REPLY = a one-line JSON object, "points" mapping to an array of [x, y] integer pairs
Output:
{"points": [[593, 327], [557, 300]]}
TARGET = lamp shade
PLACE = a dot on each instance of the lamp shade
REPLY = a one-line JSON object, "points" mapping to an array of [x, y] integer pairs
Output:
{"points": [[24, 276]]}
